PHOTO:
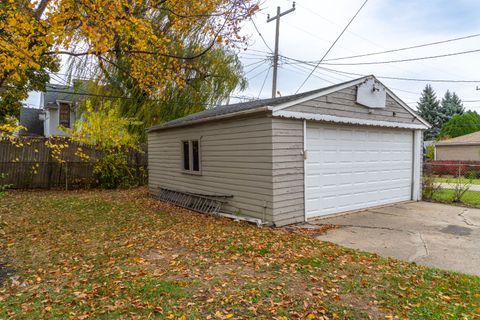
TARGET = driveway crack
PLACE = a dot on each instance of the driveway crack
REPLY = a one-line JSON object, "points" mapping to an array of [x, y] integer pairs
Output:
{"points": [[422, 250], [466, 220], [371, 227]]}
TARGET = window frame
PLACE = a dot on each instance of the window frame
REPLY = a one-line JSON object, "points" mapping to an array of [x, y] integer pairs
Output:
{"points": [[190, 157], [70, 105]]}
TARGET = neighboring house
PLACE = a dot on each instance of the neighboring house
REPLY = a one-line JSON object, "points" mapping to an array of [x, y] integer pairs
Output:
{"points": [[285, 160], [463, 148], [58, 107], [30, 118]]}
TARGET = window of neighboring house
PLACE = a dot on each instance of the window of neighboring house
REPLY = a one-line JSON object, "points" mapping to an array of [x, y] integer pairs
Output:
{"points": [[64, 115], [191, 156]]}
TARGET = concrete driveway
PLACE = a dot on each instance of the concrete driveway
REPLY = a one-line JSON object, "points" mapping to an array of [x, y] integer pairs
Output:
{"points": [[431, 234]]}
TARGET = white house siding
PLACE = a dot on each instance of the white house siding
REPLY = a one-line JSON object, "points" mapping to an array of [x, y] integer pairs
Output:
{"points": [[342, 104], [52, 122], [236, 159], [288, 197]]}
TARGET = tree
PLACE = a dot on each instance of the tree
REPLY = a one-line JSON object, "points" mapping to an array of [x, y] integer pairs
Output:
{"points": [[450, 106], [460, 125], [22, 66], [106, 129], [111, 34], [429, 109]]}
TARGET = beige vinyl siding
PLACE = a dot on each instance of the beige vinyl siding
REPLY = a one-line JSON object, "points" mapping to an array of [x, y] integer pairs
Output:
{"points": [[342, 104], [236, 159], [458, 152], [288, 197]]}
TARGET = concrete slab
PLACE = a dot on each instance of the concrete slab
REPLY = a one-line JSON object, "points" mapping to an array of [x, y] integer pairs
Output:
{"points": [[431, 234]]}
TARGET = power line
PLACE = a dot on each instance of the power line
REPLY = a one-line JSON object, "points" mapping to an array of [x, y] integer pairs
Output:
{"points": [[333, 44], [251, 78], [384, 77], [259, 64], [400, 60], [261, 36], [405, 48], [263, 84]]}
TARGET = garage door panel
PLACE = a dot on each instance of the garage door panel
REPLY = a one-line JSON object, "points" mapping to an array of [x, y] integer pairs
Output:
{"points": [[351, 168]]}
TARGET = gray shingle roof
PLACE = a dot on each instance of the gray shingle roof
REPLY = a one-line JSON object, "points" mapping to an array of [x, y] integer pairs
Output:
{"points": [[56, 92], [29, 118], [238, 107]]}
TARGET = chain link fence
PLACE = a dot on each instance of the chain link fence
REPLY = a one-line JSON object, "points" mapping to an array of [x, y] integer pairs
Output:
{"points": [[452, 182]]}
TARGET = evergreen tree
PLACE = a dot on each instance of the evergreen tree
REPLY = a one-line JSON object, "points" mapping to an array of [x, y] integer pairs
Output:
{"points": [[429, 109], [461, 124], [450, 106]]}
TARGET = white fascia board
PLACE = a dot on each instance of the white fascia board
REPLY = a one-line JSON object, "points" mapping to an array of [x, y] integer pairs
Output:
{"points": [[319, 94], [346, 120]]}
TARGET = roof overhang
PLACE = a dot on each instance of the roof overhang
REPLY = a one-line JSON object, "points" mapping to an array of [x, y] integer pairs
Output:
{"points": [[346, 120], [278, 110], [264, 109], [453, 144]]}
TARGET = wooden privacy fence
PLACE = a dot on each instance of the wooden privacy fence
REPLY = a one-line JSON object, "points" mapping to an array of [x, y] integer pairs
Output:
{"points": [[30, 163]]}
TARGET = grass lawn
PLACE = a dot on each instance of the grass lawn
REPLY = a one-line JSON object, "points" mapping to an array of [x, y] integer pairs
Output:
{"points": [[456, 180], [119, 254], [470, 198]]}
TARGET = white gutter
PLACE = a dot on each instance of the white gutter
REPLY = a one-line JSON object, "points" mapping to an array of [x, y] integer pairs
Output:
{"points": [[346, 120]]}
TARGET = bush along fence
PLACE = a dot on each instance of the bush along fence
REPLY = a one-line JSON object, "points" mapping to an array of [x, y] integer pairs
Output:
{"points": [[60, 163], [452, 182]]}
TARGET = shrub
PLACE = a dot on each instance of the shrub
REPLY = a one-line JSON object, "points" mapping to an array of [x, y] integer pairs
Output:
{"points": [[113, 171], [472, 174], [430, 152], [3, 187], [430, 188]]}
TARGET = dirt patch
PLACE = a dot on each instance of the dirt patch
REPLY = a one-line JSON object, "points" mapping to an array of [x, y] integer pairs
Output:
{"points": [[361, 304], [6, 271]]}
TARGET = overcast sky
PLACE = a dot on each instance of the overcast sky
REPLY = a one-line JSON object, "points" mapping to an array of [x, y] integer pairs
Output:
{"points": [[308, 32]]}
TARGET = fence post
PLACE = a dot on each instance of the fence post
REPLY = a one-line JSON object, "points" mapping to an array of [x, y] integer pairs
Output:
{"points": [[66, 175]]}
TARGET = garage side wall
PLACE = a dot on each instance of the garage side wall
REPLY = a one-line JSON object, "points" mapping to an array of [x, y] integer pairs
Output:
{"points": [[288, 166], [236, 159]]}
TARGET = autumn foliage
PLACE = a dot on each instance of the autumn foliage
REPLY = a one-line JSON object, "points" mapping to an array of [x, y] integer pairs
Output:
{"points": [[153, 37]]}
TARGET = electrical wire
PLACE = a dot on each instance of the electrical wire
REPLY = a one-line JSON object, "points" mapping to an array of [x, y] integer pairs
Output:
{"points": [[405, 48], [385, 77], [333, 44], [399, 60], [261, 36], [263, 84]]}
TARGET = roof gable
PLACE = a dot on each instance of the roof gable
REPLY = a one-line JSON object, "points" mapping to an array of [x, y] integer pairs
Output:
{"points": [[278, 105]]}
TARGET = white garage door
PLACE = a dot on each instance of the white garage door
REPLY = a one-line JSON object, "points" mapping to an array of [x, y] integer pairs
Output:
{"points": [[351, 168]]}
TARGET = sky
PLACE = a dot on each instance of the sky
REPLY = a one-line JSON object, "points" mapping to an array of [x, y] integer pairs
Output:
{"points": [[307, 33], [310, 30]]}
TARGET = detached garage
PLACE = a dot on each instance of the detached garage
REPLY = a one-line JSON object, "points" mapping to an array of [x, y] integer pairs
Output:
{"points": [[285, 160]]}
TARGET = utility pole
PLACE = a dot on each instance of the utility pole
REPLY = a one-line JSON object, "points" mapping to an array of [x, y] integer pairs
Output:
{"points": [[277, 37]]}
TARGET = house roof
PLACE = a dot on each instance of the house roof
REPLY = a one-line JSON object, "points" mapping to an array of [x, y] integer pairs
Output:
{"points": [[472, 138], [56, 92], [29, 118], [261, 105]]}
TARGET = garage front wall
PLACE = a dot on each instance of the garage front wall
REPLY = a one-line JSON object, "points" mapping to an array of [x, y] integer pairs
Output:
{"points": [[458, 152]]}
